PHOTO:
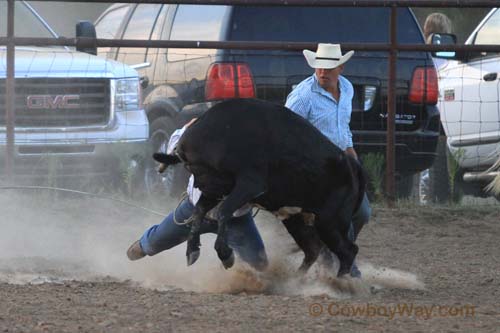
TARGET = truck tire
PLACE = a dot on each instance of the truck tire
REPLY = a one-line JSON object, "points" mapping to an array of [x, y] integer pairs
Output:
{"points": [[405, 187], [173, 181], [439, 189]]}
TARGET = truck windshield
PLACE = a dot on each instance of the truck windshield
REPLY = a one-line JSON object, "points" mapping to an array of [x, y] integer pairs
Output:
{"points": [[26, 22], [321, 24]]}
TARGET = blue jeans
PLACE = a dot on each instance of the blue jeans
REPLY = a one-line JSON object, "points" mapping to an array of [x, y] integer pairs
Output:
{"points": [[360, 218], [242, 234]]}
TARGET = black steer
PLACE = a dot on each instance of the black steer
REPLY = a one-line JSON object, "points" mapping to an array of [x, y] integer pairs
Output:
{"points": [[251, 151]]}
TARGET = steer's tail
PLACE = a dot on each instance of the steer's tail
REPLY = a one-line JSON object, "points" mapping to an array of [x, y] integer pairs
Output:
{"points": [[360, 179], [165, 160]]}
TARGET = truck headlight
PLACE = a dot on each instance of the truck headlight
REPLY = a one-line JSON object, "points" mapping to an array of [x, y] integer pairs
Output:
{"points": [[127, 94]]}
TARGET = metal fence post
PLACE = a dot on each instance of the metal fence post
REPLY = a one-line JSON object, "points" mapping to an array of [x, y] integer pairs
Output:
{"points": [[391, 111], [10, 92]]}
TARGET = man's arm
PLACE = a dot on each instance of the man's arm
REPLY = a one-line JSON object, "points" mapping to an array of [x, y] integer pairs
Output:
{"points": [[298, 104], [350, 93], [174, 138], [350, 146]]}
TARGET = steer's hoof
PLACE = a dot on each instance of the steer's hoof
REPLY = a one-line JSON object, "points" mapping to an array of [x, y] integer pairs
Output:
{"points": [[192, 257], [343, 270], [229, 262]]}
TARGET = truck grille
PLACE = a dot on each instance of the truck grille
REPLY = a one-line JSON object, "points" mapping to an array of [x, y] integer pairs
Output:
{"points": [[59, 102]]}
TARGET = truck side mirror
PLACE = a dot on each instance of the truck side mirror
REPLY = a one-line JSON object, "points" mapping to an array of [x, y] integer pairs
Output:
{"points": [[85, 29], [444, 39]]}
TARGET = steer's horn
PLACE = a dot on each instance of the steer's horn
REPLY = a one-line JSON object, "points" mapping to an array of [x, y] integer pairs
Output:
{"points": [[162, 167], [165, 160]]}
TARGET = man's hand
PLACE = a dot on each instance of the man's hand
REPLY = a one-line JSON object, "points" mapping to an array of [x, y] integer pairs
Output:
{"points": [[350, 151], [190, 122]]}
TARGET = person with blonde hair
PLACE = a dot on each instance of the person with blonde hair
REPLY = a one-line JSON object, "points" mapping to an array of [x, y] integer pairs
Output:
{"points": [[436, 23]]}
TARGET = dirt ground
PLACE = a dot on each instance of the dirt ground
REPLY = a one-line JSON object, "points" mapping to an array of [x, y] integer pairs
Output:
{"points": [[63, 269]]}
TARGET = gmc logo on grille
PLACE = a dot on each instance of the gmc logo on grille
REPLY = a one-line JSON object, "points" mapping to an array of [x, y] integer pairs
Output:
{"points": [[53, 102]]}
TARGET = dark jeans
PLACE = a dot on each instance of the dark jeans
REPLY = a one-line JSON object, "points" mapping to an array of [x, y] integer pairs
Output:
{"points": [[360, 218], [243, 236]]}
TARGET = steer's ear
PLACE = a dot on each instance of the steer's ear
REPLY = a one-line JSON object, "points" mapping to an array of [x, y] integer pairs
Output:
{"points": [[166, 159]]}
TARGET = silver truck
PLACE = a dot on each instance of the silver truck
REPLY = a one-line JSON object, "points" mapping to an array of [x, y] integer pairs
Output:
{"points": [[75, 114]]}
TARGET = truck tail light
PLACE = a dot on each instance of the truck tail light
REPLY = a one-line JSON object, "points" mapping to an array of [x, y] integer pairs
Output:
{"points": [[229, 80], [424, 86]]}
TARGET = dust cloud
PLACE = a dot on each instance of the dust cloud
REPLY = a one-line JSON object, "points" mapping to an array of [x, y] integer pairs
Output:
{"points": [[55, 237]]}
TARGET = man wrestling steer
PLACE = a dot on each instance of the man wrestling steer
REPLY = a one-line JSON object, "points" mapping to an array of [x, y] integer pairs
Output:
{"points": [[250, 151]]}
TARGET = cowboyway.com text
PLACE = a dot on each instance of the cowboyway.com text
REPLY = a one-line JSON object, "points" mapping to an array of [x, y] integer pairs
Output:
{"points": [[391, 311]]}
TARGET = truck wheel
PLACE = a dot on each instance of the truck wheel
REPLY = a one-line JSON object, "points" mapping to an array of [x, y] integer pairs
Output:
{"points": [[405, 187], [439, 189], [174, 180]]}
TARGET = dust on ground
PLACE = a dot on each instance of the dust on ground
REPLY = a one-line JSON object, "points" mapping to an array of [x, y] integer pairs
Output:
{"points": [[63, 268]]}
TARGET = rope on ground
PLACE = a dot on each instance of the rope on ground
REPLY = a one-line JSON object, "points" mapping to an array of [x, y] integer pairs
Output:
{"points": [[80, 192], [189, 219]]}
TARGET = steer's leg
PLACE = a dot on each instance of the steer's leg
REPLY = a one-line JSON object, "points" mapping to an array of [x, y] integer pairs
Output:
{"points": [[201, 208], [339, 244], [248, 186], [333, 226], [307, 239]]}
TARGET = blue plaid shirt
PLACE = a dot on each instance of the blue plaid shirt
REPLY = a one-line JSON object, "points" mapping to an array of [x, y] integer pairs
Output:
{"points": [[319, 107]]}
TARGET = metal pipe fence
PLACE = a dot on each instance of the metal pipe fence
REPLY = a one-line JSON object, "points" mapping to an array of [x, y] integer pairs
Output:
{"points": [[324, 3], [392, 47]]}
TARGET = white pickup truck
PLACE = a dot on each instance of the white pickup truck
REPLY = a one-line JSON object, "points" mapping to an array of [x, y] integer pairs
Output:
{"points": [[80, 110], [469, 102]]}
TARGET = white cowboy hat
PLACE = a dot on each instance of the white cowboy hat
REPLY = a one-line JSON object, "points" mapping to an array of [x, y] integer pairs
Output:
{"points": [[327, 56]]}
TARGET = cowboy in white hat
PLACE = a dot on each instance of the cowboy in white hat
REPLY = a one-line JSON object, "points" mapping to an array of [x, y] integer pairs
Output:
{"points": [[328, 63], [328, 56], [325, 100]]}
